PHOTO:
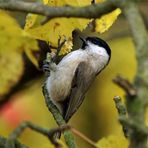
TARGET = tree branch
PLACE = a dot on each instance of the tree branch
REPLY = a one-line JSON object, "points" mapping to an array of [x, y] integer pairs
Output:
{"points": [[58, 118], [10, 142], [91, 11], [126, 86], [141, 129], [122, 113], [128, 123]]}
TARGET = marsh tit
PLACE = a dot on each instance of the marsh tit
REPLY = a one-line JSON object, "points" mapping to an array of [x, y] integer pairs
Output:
{"points": [[71, 78]]}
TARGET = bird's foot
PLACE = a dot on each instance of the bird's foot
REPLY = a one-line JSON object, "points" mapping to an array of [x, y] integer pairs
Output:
{"points": [[46, 67], [48, 64]]}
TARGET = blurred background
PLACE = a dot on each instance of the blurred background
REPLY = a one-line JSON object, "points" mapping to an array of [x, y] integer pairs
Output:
{"points": [[97, 117]]}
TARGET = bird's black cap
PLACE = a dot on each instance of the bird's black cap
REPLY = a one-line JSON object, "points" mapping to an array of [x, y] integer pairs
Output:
{"points": [[97, 41]]}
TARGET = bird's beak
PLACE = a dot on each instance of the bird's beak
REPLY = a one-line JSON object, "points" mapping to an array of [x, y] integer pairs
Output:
{"points": [[83, 40]]}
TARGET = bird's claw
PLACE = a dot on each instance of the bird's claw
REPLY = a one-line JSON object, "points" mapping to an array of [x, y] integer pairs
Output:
{"points": [[46, 67]]}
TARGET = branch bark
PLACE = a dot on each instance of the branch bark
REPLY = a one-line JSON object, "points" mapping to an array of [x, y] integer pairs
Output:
{"points": [[11, 141], [126, 86], [127, 122], [91, 11], [58, 118], [122, 113]]}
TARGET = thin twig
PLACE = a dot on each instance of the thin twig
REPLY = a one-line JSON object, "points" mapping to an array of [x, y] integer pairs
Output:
{"points": [[122, 113], [126, 86], [128, 124], [48, 133], [18, 131], [78, 133], [139, 128]]}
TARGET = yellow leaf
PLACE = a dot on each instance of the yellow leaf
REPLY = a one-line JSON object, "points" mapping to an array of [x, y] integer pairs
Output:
{"points": [[106, 21], [66, 47], [113, 142], [12, 36], [58, 27], [45, 1], [62, 143], [31, 20], [67, 2], [11, 69], [32, 58], [99, 1], [12, 43], [9, 32]]}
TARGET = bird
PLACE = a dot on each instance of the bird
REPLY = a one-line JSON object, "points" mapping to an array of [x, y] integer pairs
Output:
{"points": [[71, 78]]}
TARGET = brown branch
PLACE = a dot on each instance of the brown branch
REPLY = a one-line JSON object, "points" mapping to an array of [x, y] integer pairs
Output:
{"points": [[91, 11], [125, 85], [78, 133]]}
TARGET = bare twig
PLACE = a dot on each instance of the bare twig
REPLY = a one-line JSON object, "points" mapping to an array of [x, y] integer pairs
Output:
{"points": [[137, 127], [120, 107], [122, 113], [48, 133], [128, 124], [126, 86], [91, 11], [78, 133]]}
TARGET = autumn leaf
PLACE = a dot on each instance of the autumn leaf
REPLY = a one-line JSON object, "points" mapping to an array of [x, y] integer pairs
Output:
{"points": [[63, 27], [113, 141], [106, 21], [99, 1], [13, 42], [13, 38], [46, 1], [58, 27], [11, 69]]}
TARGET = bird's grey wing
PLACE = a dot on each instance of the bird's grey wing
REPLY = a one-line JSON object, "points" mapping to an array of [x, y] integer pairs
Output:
{"points": [[84, 75]]}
